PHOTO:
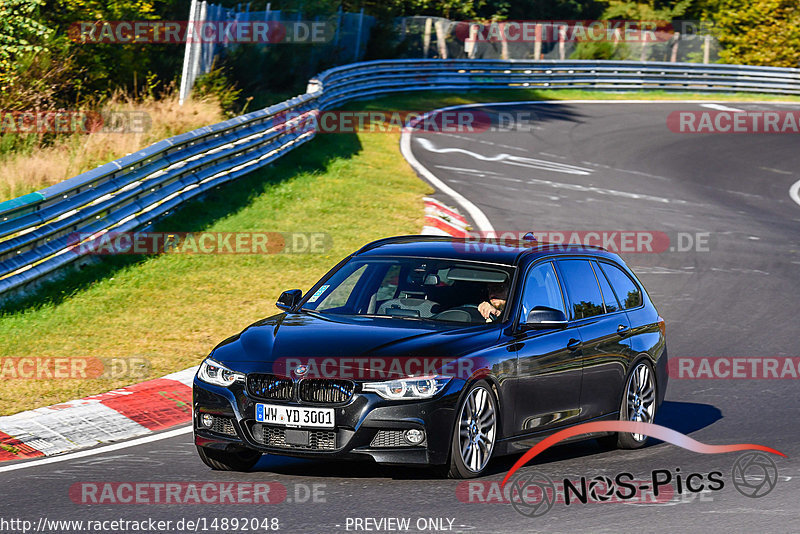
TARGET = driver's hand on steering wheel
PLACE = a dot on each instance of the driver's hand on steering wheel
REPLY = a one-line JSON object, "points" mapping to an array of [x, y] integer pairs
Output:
{"points": [[489, 312]]}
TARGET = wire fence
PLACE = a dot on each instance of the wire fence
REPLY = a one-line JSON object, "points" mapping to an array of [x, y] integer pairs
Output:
{"points": [[333, 39], [674, 41]]}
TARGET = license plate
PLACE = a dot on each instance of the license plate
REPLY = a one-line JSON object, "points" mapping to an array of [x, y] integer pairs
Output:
{"points": [[294, 416]]}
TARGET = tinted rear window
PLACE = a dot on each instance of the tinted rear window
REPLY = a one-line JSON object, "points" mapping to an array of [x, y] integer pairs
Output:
{"points": [[627, 292], [584, 293], [608, 295]]}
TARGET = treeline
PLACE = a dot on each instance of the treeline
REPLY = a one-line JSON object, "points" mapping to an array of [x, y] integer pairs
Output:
{"points": [[42, 68]]}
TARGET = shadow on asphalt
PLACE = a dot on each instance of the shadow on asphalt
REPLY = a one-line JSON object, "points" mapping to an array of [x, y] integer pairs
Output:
{"points": [[685, 417]]}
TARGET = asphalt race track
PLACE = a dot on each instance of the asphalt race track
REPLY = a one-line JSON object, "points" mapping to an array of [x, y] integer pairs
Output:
{"points": [[565, 167]]}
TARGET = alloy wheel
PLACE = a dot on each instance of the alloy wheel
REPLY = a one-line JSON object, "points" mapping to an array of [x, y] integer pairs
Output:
{"points": [[641, 397], [477, 429]]}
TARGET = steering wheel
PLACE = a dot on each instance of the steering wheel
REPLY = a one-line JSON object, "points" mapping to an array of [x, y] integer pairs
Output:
{"points": [[471, 309]]}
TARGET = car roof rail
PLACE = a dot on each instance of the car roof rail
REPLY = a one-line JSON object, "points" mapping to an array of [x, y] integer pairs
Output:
{"points": [[399, 239]]}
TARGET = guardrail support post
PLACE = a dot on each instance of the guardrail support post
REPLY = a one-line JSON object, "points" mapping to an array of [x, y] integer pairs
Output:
{"points": [[562, 42], [707, 49], [537, 44]]}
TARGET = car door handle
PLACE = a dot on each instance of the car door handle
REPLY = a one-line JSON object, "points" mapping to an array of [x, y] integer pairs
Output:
{"points": [[574, 344], [622, 329]]}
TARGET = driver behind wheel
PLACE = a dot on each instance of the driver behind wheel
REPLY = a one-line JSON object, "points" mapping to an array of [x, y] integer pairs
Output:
{"points": [[496, 303]]}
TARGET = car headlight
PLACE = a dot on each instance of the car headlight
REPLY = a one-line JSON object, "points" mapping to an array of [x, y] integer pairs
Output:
{"points": [[217, 374], [419, 387]]}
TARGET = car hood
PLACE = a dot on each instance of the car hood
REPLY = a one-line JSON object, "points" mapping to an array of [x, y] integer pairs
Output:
{"points": [[306, 335]]}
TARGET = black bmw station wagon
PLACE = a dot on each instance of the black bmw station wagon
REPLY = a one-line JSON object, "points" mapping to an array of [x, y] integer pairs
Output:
{"points": [[436, 351]]}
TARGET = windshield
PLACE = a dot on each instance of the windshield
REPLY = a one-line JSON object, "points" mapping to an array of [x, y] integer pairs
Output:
{"points": [[414, 288]]}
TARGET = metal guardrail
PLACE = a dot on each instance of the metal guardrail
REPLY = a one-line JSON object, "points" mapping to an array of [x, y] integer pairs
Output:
{"points": [[133, 191]]}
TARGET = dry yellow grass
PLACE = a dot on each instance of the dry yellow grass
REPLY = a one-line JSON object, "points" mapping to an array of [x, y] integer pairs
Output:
{"points": [[68, 156]]}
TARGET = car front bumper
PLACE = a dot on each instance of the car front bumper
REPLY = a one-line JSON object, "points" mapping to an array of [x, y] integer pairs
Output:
{"points": [[356, 427]]}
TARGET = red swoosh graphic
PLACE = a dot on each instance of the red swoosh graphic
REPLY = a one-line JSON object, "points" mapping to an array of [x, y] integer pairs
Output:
{"points": [[633, 427]]}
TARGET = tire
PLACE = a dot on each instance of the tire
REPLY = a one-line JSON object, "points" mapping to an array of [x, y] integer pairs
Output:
{"points": [[638, 404], [239, 460], [475, 433]]}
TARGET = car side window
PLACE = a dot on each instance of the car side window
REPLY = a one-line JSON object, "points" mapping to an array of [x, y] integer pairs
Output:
{"points": [[609, 298], [541, 289], [627, 291], [339, 296], [388, 287], [582, 289]]}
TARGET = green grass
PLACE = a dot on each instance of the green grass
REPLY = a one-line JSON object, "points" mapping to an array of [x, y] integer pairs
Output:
{"points": [[172, 309]]}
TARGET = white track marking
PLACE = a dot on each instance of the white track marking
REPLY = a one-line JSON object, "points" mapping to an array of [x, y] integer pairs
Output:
{"points": [[794, 192], [776, 171], [719, 107], [508, 159], [480, 219], [468, 171], [98, 450], [567, 186], [602, 191]]}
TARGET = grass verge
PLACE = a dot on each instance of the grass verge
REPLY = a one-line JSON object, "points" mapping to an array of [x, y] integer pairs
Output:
{"points": [[172, 309]]}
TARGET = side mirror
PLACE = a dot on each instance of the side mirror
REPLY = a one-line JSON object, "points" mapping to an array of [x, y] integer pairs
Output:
{"points": [[542, 318], [289, 299]]}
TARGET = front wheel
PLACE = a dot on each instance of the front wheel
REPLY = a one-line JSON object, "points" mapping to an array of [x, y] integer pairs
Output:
{"points": [[638, 404], [239, 460], [475, 433]]}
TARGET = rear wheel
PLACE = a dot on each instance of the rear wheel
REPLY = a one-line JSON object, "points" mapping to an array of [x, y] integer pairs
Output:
{"points": [[638, 404], [238, 460], [475, 433]]}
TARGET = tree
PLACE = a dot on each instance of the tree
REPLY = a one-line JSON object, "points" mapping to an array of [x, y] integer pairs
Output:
{"points": [[660, 11], [647, 10], [20, 35], [758, 32]]}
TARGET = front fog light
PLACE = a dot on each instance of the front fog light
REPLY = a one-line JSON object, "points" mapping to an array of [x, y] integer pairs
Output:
{"points": [[414, 436], [207, 420]]}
